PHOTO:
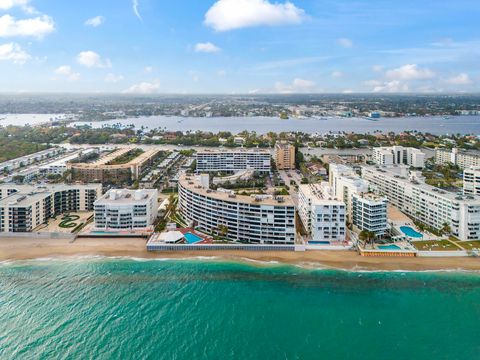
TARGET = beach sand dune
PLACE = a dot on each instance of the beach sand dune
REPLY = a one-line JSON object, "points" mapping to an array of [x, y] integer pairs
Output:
{"points": [[31, 248]]}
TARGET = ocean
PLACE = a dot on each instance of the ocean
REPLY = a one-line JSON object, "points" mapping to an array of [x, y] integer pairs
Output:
{"points": [[99, 308]]}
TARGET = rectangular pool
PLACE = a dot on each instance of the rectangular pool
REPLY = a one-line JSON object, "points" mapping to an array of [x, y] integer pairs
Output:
{"points": [[389, 247], [192, 238]]}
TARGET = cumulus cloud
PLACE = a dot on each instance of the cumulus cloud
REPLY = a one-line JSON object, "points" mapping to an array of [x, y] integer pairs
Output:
{"points": [[66, 72], [410, 72], [112, 78], [460, 79], [24, 4], [394, 86], [207, 47], [297, 86], [91, 59], [345, 43], [35, 27], [143, 88], [14, 53], [95, 21], [227, 15]]}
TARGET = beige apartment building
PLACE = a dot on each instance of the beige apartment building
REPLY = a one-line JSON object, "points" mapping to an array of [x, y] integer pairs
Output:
{"points": [[284, 156], [106, 170]]}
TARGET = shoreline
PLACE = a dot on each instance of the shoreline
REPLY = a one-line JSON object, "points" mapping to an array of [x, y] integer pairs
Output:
{"points": [[135, 249]]}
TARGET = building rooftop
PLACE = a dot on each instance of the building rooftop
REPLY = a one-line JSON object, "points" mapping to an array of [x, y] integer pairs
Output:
{"points": [[24, 199], [26, 188], [319, 193], [30, 156], [125, 196], [193, 183], [371, 197], [425, 187], [103, 162], [234, 150], [65, 159]]}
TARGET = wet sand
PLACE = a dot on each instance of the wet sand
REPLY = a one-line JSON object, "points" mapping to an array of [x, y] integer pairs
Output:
{"points": [[31, 248]]}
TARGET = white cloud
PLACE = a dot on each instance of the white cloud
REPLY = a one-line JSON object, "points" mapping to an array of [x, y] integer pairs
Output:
{"points": [[297, 86], [254, 91], [373, 83], [112, 78], [207, 47], [91, 59], [8, 4], [290, 63], [337, 74], [344, 42], [95, 21], [143, 88], [24, 4], [460, 79], [410, 72], [394, 86], [227, 15], [135, 9], [67, 72], [35, 27], [14, 53]]}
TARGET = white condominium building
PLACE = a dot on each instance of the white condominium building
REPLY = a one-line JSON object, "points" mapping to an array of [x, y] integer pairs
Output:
{"points": [[234, 160], [345, 183], [323, 216], [370, 213], [471, 181], [398, 155], [126, 209], [24, 207], [432, 206], [59, 166], [30, 159], [257, 219], [462, 158]]}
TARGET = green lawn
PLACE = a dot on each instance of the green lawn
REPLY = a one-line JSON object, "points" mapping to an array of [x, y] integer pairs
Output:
{"points": [[127, 157], [434, 245], [470, 245]]}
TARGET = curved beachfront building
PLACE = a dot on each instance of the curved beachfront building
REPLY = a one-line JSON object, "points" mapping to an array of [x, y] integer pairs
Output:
{"points": [[248, 219]]}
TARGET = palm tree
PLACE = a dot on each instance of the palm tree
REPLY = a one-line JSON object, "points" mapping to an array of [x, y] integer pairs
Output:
{"points": [[222, 230], [367, 237], [446, 228]]}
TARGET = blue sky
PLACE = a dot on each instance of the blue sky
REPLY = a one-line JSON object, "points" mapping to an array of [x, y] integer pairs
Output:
{"points": [[239, 46]]}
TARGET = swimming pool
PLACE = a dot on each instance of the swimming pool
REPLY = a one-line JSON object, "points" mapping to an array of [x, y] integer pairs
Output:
{"points": [[407, 230], [192, 238], [389, 247]]}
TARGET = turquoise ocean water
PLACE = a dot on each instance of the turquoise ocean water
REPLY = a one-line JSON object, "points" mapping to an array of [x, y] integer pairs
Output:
{"points": [[126, 309]]}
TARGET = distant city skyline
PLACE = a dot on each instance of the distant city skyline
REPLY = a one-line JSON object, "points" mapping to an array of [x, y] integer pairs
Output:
{"points": [[239, 46]]}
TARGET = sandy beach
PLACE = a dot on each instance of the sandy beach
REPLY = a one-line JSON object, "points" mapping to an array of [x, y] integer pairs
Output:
{"points": [[31, 248]]}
